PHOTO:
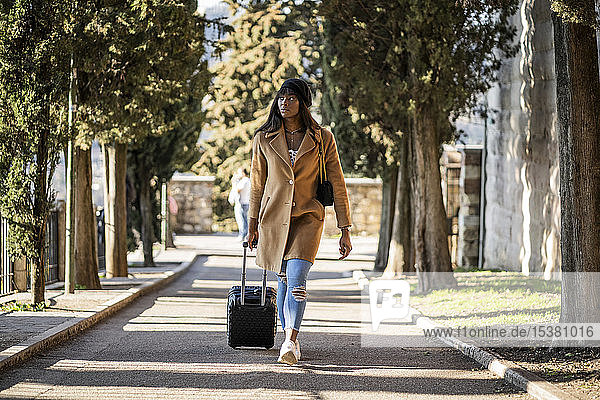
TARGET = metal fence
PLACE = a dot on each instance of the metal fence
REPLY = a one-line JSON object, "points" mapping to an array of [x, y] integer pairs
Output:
{"points": [[101, 248], [6, 267], [50, 261], [50, 251]]}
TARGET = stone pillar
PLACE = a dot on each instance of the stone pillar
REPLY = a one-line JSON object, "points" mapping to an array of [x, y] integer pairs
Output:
{"points": [[468, 214], [20, 274], [450, 167]]}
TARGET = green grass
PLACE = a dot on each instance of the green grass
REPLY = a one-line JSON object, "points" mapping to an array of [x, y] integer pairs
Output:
{"points": [[490, 298], [14, 306]]}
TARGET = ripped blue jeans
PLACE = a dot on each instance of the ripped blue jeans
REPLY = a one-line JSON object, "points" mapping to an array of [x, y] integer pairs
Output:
{"points": [[291, 292]]}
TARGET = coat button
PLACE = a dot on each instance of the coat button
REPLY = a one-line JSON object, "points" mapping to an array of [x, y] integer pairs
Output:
{"points": [[291, 181], [293, 204]]}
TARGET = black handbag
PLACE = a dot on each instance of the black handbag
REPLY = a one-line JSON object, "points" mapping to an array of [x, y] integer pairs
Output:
{"points": [[324, 187]]}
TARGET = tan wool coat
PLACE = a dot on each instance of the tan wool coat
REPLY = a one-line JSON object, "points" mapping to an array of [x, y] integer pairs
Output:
{"points": [[282, 197]]}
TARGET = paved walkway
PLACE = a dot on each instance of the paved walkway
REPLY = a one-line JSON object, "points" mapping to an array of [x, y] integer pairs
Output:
{"points": [[172, 344], [363, 248], [24, 326]]}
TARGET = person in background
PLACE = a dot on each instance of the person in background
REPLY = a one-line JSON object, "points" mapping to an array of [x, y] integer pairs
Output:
{"points": [[234, 199], [242, 188]]}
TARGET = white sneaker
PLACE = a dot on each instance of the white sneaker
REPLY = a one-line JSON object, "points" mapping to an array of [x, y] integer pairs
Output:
{"points": [[287, 354], [297, 343]]}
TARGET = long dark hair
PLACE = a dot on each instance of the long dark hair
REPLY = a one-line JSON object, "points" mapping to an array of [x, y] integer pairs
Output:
{"points": [[275, 119]]}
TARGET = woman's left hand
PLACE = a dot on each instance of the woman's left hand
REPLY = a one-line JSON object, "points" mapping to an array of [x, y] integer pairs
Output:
{"points": [[345, 244]]}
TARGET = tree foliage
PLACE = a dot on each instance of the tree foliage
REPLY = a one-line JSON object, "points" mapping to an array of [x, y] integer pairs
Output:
{"points": [[270, 42], [134, 58], [139, 63], [155, 159], [577, 11], [33, 81], [172, 143], [394, 58], [363, 148]]}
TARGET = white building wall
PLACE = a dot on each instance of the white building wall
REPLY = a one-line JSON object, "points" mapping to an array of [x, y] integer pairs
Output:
{"points": [[522, 214]]}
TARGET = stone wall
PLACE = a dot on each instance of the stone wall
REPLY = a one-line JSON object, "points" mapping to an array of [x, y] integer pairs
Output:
{"points": [[365, 207], [193, 197], [522, 214]]}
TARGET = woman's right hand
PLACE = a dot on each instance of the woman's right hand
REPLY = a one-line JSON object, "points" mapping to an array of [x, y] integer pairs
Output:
{"points": [[252, 233]]}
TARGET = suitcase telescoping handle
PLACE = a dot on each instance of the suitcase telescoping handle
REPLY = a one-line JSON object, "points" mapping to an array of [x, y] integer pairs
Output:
{"points": [[263, 297]]}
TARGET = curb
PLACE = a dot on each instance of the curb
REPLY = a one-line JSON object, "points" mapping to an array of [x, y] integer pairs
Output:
{"points": [[53, 336], [505, 369]]}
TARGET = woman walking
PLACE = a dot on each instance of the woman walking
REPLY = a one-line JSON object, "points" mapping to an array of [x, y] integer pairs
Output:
{"points": [[285, 218]]}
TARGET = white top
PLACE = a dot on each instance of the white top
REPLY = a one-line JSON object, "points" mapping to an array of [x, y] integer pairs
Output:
{"points": [[293, 154], [243, 188]]}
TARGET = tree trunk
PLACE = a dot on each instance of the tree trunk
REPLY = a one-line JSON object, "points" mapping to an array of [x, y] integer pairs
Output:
{"points": [[578, 96], [145, 197], [388, 200], [115, 209], [170, 243], [400, 252], [86, 242], [40, 204], [70, 172], [432, 257]]}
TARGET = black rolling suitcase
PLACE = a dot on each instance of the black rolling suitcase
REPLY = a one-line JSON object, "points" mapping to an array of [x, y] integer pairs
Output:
{"points": [[251, 313]]}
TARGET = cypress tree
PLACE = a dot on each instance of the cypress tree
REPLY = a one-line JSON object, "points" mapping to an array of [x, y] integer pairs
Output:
{"points": [[33, 81], [578, 120], [140, 56], [367, 143], [155, 159], [415, 64]]}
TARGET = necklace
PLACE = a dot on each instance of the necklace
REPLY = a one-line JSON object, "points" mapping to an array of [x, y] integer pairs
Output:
{"points": [[292, 132], [292, 135]]}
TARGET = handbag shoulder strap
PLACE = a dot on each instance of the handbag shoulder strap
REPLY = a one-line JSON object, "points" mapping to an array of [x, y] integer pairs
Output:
{"points": [[322, 169]]}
